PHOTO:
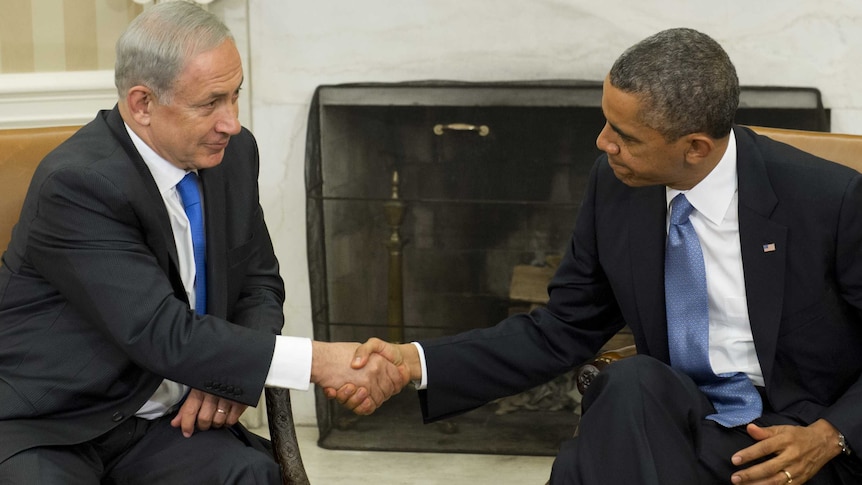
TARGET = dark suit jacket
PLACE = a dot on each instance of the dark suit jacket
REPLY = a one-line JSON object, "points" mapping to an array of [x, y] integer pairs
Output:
{"points": [[804, 298], [93, 314]]}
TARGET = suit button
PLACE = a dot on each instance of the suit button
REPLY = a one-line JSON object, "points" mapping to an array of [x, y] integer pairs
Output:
{"points": [[117, 417]]}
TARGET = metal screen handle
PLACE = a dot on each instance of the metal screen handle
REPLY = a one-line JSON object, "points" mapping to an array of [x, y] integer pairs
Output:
{"points": [[482, 130]]}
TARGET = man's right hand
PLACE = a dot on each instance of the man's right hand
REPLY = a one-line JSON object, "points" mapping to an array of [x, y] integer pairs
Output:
{"points": [[404, 356], [333, 366]]}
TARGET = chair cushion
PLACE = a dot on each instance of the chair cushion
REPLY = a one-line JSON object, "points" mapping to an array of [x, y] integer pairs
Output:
{"points": [[21, 150]]}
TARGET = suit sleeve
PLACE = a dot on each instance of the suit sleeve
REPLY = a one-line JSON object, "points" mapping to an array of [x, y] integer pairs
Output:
{"points": [[846, 412], [469, 369], [88, 242]]}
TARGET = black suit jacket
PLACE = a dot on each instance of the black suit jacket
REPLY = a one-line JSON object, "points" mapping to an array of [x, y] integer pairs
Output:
{"points": [[93, 314], [804, 298]]}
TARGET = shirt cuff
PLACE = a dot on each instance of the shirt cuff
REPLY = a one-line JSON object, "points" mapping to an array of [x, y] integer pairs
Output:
{"points": [[424, 382], [291, 363]]}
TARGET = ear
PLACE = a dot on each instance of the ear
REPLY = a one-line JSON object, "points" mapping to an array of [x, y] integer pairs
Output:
{"points": [[699, 147], [140, 101]]}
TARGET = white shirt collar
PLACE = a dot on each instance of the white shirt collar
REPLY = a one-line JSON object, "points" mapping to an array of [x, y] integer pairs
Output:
{"points": [[713, 195], [166, 174]]}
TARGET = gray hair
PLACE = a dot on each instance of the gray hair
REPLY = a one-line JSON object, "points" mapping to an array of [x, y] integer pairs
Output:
{"points": [[685, 80], [155, 47]]}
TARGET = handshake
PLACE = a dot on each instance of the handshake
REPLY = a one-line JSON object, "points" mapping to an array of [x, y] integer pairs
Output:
{"points": [[363, 376]]}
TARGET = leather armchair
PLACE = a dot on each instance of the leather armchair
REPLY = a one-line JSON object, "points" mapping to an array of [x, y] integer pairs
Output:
{"points": [[21, 150]]}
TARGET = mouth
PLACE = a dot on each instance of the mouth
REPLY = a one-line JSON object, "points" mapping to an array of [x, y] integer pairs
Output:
{"points": [[615, 165], [218, 145], [621, 171]]}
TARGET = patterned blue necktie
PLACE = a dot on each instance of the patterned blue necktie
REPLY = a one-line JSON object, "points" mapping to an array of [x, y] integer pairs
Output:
{"points": [[190, 194], [732, 394]]}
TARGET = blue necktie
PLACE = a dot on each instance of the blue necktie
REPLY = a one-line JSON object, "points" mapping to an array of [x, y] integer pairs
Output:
{"points": [[190, 194], [732, 394]]}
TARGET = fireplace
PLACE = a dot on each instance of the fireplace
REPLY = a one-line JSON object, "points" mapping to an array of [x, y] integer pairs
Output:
{"points": [[422, 201]]}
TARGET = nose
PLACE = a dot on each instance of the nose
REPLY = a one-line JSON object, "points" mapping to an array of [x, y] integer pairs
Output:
{"points": [[604, 141], [228, 122]]}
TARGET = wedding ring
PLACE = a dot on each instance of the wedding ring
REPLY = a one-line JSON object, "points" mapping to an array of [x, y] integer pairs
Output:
{"points": [[788, 475], [224, 412]]}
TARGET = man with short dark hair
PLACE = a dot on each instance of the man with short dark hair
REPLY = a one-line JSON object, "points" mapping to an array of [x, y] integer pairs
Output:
{"points": [[737, 263]]}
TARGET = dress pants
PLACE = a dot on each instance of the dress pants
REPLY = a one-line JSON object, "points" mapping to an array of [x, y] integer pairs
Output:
{"points": [[139, 451], [643, 423]]}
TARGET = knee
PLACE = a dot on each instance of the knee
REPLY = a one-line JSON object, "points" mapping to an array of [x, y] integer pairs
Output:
{"points": [[250, 466], [631, 371], [641, 379], [628, 378]]}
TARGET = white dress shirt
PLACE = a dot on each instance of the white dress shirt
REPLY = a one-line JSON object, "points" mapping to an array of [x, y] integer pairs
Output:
{"points": [[716, 221], [291, 361]]}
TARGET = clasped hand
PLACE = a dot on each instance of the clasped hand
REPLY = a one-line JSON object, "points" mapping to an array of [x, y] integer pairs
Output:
{"points": [[205, 411], [360, 377]]}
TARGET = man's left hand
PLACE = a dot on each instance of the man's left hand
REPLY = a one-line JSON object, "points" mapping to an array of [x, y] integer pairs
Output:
{"points": [[207, 411], [798, 453]]}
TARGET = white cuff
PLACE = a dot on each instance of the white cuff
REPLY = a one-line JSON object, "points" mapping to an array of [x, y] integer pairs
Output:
{"points": [[424, 382], [291, 363]]}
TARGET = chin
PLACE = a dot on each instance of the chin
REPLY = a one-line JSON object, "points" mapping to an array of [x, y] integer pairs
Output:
{"points": [[209, 162], [625, 177], [633, 181]]}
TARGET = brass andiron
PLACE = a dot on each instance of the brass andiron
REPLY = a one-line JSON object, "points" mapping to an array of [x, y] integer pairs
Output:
{"points": [[394, 217]]}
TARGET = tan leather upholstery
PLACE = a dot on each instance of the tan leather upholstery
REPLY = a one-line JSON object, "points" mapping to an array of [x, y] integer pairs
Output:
{"points": [[21, 150], [841, 148]]}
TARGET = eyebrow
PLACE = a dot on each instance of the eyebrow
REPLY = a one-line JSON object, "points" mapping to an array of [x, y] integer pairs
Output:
{"points": [[621, 132], [221, 94], [617, 129]]}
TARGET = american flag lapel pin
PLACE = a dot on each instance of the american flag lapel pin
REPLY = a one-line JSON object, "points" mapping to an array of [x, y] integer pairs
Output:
{"points": [[768, 248]]}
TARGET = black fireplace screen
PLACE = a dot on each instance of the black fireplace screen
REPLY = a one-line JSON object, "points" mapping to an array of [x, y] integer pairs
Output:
{"points": [[423, 198]]}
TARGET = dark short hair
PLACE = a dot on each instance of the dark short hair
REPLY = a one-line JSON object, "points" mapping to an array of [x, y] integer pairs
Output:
{"points": [[685, 80]]}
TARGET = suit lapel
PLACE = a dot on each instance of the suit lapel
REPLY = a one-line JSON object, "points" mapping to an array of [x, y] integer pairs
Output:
{"points": [[215, 194], [763, 268], [764, 250], [152, 211], [647, 216]]}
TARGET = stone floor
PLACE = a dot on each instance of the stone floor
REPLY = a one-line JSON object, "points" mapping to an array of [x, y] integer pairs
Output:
{"points": [[325, 467], [526, 424]]}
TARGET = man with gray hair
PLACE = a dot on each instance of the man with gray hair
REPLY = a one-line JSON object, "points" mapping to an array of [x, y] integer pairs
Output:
{"points": [[140, 298], [737, 263]]}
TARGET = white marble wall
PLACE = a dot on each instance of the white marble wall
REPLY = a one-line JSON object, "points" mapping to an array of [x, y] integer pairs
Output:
{"points": [[297, 45]]}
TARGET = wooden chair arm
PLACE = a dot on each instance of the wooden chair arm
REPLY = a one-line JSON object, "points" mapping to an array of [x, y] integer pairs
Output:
{"points": [[282, 433], [590, 370]]}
